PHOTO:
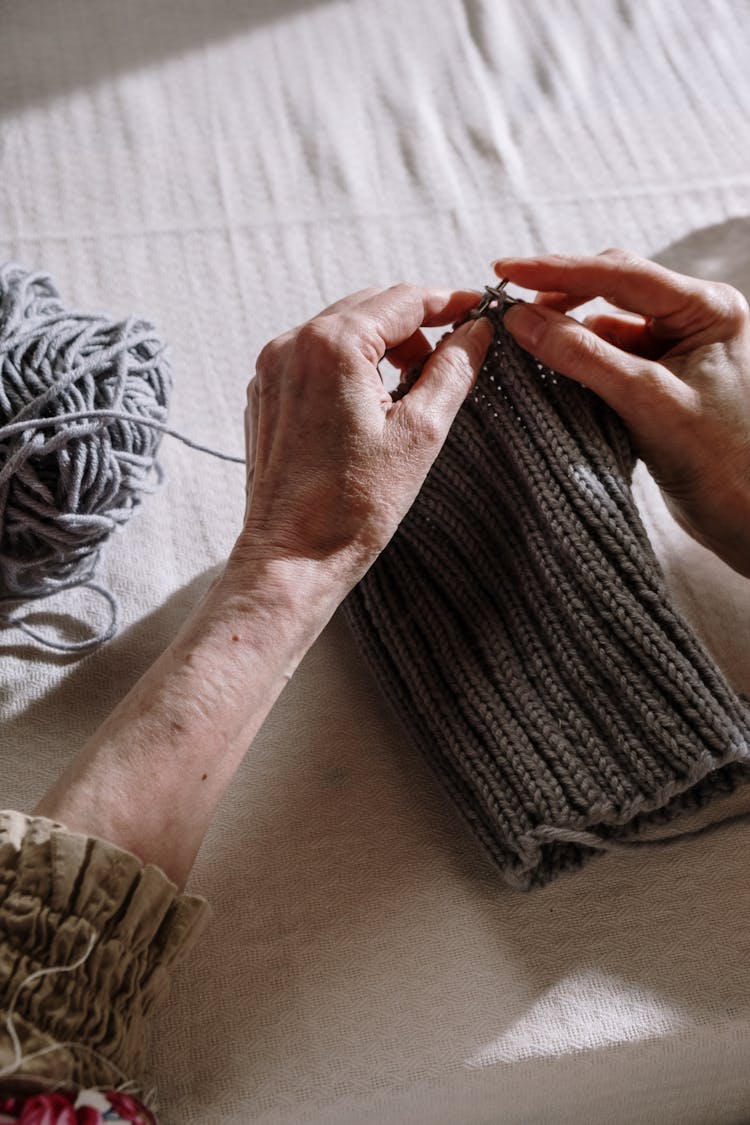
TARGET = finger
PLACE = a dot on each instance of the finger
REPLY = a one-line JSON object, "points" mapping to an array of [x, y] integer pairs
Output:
{"points": [[412, 353], [634, 336], [679, 303], [450, 372], [373, 296], [344, 304], [629, 383], [563, 302], [392, 316], [350, 301]]}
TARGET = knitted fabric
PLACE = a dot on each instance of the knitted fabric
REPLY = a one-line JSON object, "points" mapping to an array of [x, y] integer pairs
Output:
{"points": [[519, 624]]}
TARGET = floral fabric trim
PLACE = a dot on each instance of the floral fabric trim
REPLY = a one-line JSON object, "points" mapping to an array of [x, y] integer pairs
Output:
{"points": [[75, 1107]]}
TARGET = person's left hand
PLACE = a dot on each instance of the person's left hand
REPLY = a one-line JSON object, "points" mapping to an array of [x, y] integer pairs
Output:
{"points": [[677, 371]]}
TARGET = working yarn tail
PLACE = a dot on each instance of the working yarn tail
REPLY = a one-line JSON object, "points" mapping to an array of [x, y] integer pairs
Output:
{"points": [[520, 625]]}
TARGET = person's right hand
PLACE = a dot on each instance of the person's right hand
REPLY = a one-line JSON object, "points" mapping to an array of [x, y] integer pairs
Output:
{"points": [[678, 375], [334, 462]]}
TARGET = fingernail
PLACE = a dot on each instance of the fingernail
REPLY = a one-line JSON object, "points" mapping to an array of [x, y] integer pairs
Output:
{"points": [[499, 264], [526, 322]]}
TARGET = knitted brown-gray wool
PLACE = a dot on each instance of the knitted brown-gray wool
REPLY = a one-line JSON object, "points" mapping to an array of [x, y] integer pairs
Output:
{"points": [[519, 624]]}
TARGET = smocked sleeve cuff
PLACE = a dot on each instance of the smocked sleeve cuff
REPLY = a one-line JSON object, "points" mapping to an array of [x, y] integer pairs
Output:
{"points": [[68, 898]]}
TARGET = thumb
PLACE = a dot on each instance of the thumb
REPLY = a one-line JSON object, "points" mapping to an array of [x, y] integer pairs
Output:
{"points": [[451, 371]]}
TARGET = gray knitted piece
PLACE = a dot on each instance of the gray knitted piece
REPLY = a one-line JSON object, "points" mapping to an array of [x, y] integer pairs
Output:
{"points": [[520, 626]]}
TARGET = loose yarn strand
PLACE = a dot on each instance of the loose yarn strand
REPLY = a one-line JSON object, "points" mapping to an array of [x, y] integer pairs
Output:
{"points": [[19, 1059], [108, 631], [32, 424], [124, 1085]]}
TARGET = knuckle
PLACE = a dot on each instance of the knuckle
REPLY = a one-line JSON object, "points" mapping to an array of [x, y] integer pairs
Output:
{"points": [[404, 296], [267, 357], [579, 347], [730, 304], [402, 299], [319, 335], [365, 294], [356, 332], [432, 427], [625, 259], [401, 289], [652, 388], [456, 365], [463, 371], [272, 353], [315, 329]]}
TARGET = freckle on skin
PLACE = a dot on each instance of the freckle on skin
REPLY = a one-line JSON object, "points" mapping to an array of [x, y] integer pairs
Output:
{"points": [[204, 777], [235, 637], [188, 657], [176, 726]]}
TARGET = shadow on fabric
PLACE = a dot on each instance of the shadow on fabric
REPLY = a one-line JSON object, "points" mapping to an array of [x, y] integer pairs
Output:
{"points": [[59, 48]]}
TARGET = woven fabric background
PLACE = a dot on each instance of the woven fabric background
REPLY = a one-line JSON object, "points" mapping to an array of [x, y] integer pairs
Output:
{"points": [[226, 167]]}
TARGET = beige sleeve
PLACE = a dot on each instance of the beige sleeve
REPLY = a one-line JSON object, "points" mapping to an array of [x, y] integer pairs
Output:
{"points": [[65, 897]]}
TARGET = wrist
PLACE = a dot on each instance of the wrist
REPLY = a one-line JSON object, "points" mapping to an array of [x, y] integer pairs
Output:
{"points": [[299, 585], [259, 610]]}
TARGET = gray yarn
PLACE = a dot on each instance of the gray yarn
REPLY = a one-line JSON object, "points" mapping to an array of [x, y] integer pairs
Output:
{"points": [[520, 626], [105, 633], [83, 407], [65, 487]]}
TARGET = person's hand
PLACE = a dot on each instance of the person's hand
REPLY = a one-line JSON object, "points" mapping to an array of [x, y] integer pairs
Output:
{"points": [[678, 374], [334, 463]]}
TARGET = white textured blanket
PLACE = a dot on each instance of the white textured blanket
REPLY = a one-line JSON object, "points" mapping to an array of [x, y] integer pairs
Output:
{"points": [[225, 168]]}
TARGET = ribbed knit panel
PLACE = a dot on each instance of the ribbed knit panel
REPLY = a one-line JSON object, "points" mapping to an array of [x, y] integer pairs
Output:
{"points": [[520, 625]]}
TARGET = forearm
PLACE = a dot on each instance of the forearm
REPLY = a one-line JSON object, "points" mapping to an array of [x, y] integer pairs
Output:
{"points": [[151, 776]]}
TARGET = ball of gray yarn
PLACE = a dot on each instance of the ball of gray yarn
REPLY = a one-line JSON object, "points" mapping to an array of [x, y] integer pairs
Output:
{"points": [[90, 390]]}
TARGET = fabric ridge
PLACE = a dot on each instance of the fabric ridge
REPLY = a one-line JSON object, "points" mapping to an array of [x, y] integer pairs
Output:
{"points": [[520, 625]]}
